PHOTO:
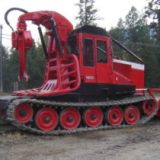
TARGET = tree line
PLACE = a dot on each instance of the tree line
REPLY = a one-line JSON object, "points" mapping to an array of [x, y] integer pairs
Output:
{"points": [[133, 31]]}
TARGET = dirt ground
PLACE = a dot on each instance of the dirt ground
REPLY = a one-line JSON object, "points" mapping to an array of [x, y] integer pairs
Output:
{"points": [[136, 143]]}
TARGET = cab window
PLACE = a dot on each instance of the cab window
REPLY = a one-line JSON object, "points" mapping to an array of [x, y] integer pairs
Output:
{"points": [[101, 52], [88, 54], [72, 45]]}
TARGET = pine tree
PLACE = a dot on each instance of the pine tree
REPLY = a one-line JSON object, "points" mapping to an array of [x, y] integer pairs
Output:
{"points": [[87, 13], [153, 11]]}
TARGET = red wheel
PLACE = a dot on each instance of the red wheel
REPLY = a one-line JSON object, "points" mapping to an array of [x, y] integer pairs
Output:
{"points": [[46, 119], [132, 115], [23, 113], [70, 118], [93, 117], [115, 116], [149, 107]]}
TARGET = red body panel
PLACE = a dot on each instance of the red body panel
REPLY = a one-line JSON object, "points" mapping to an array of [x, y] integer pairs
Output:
{"points": [[133, 71], [138, 78]]}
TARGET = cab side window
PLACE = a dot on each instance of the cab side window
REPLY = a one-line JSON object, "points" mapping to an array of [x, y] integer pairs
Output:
{"points": [[101, 52], [72, 45], [88, 53]]}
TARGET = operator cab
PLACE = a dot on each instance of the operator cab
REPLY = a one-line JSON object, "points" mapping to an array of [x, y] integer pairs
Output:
{"points": [[92, 46]]}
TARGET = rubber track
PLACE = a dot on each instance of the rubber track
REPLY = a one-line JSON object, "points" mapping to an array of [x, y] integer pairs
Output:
{"points": [[60, 131]]}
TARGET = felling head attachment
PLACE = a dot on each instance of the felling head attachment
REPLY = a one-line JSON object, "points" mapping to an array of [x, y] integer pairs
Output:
{"points": [[21, 41]]}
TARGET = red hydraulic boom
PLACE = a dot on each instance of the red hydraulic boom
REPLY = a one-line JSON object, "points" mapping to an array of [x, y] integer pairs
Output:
{"points": [[62, 70]]}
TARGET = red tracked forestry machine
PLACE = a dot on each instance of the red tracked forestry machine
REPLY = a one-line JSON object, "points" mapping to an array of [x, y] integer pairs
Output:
{"points": [[85, 88]]}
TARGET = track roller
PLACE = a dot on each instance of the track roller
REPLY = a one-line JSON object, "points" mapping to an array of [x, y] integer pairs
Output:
{"points": [[115, 116], [23, 113], [70, 118], [46, 119], [149, 107], [132, 115], [93, 117]]}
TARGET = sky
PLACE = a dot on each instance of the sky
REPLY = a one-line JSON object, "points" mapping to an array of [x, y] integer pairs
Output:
{"points": [[109, 10]]}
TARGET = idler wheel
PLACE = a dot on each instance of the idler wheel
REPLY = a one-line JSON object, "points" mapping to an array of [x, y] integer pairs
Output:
{"points": [[93, 117], [23, 113], [70, 118], [149, 107], [46, 119], [114, 116], [132, 115]]}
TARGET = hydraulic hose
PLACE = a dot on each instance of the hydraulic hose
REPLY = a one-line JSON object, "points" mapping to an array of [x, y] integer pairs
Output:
{"points": [[10, 10]]}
